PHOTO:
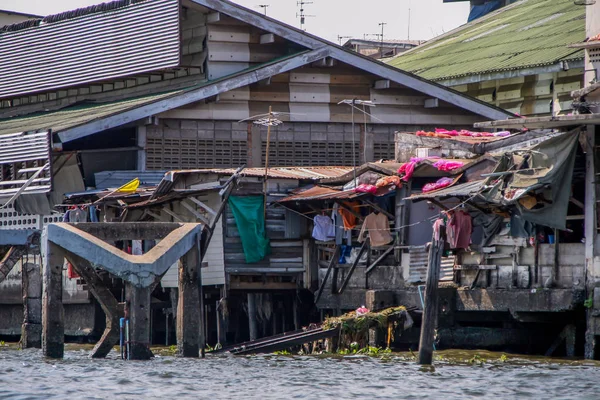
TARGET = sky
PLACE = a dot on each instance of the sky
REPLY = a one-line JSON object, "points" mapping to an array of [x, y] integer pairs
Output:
{"points": [[328, 18]]}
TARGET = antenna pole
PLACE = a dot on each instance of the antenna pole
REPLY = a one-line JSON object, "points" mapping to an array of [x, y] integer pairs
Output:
{"points": [[264, 7], [382, 25], [270, 119], [408, 19]]}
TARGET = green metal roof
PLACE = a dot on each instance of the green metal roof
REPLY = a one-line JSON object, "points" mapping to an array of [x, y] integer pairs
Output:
{"points": [[74, 115], [527, 34]]}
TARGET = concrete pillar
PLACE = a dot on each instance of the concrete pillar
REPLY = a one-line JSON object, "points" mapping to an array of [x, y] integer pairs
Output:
{"points": [[138, 302], [188, 307], [31, 331], [252, 323], [53, 314]]}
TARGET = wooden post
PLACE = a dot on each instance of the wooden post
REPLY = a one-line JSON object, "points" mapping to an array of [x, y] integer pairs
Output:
{"points": [[202, 327], [31, 331], [53, 314], [138, 300], [188, 310], [252, 316], [430, 310]]}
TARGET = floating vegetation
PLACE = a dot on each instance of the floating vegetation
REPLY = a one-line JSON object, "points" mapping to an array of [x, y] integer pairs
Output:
{"points": [[354, 329]]}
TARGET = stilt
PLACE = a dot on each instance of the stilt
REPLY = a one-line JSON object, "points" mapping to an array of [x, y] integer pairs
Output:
{"points": [[31, 331], [138, 300], [53, 314], [252, 316], [430, 310], [295, 307], [112, 310], [188, 310]]}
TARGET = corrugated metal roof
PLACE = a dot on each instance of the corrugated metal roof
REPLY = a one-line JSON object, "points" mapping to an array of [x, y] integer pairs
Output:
{"points": [[527, 34], [76, 115], [462, 190], [300, 173], [321, 193], [137, 38], [115, 179]]}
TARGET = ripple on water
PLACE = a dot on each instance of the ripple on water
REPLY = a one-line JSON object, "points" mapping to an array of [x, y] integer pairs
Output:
{"points": [[275, 377]]}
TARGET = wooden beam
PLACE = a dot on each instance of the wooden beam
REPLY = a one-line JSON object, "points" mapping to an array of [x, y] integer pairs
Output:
{"points": [[382, 84], [379, 209], [153, 215], [432, 103], [380, 259], [172, 214], [363, 248], [195, 213], [213, 17], [203, 206], [332, 263], [267, 38]]}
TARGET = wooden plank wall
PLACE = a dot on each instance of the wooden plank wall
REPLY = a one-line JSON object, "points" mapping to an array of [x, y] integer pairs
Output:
{"points": [[529, 95], [287, 249]]}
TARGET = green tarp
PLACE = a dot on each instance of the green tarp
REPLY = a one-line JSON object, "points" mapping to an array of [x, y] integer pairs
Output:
{"points": [[249, 214]]}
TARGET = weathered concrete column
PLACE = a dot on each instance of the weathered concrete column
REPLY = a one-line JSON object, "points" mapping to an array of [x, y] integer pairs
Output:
{"points": [[252, 316], [53, 314], [112, 310], [188, 307], [31, 331], [138, 301]]}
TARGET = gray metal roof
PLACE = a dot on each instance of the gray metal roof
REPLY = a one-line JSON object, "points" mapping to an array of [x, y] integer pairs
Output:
{"points": [[140, 37], [115, 179]]}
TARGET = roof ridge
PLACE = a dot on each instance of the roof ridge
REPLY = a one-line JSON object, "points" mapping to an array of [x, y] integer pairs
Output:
{"points": [[66, 15]]}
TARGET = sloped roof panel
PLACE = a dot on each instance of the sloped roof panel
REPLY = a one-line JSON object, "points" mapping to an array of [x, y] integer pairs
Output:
{"points": [[136, 38], [527, 34]]}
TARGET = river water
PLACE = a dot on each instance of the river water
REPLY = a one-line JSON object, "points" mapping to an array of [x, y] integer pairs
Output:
{"points": [[456, 375]]}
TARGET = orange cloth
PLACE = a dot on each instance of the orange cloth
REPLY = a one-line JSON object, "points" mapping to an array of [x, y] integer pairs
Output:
{"points": [[389, 180], [349, 218]]}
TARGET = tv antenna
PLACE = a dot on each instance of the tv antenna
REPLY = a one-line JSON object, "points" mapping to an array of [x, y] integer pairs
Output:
{"points": [[340, 38], [301, 14], [264, 7]]}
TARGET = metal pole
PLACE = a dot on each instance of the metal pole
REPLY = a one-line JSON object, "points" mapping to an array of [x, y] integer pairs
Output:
{"points": [[267, 159], [353, 143]]}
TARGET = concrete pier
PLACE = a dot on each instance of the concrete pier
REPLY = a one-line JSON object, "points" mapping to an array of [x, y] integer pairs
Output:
{"points": [[188, 306], [31, 331], [139, 308], [53, 315]]}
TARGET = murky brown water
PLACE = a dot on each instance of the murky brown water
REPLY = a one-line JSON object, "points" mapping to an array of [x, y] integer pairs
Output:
{"points": [[25, 375]]}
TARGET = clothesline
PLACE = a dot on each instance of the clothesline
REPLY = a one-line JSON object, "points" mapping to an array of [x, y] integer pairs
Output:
{"points": [[429, 219]]}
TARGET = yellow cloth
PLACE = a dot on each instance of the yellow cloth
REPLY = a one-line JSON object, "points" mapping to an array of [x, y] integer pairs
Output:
{"points": [[130, 186]]}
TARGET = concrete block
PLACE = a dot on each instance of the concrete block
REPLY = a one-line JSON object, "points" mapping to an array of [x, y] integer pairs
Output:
{"points": [[379, 299]]}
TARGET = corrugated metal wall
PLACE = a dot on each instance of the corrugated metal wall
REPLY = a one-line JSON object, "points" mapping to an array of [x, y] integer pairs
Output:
{"points": [[138, 38]]}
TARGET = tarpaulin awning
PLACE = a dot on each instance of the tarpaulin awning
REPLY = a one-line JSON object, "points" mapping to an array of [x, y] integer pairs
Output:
{"points": [[537, 181]]}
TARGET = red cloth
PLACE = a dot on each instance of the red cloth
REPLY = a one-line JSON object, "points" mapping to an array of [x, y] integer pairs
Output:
{"points": [[441, 183], [460, 228], [71, 274], [366, 189]]}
